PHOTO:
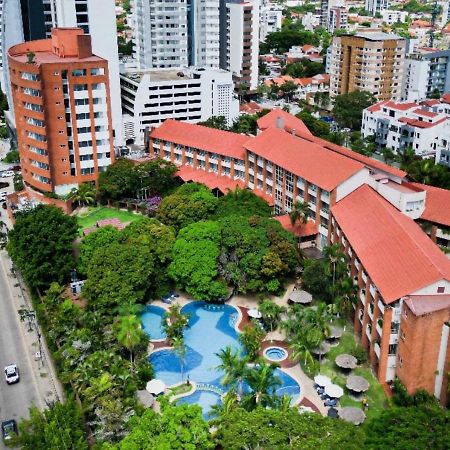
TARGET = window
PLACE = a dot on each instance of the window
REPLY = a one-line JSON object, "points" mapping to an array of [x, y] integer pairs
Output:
{"points": [[80, 87], [441, 289], [79, 72], [98, 71], [392, 349]]}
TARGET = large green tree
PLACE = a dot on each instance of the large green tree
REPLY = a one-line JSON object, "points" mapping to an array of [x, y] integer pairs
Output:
{"points": [[416, 427], [348, 108], [40, 244], [242, 202], [59, 427], [303, 69], [288, 430], [176, 428]]}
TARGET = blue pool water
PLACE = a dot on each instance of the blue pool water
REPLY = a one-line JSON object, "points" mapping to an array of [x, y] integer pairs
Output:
{"points": [[275, 353], [210, 331], [151, 321]]}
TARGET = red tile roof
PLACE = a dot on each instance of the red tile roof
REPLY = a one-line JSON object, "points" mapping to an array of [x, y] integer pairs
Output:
{"points": [[437, 204], [250, 108], [445, 98], [300, 230], [421, 123], [426, 304], [424, 112], [304, 158], [398, 256], [400, 106], [209, 139], [290, 121], [368, 162]]}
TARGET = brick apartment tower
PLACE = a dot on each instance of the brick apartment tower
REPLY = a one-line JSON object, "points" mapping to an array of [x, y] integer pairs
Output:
{"points": [[369, 61], [63, 111]]}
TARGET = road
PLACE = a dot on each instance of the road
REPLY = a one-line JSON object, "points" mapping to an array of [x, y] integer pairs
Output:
{"points": [[15, 399]]}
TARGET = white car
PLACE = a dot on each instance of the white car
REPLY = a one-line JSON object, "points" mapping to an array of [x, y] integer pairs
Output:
{"points": [[7, 174], [12, 374], [3, 196]]}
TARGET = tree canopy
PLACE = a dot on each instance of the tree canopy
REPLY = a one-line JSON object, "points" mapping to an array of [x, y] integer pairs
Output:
{"points": [[303, 69], [242, 202], [40, 244], [414, 427], [272, 429], [348, 108], [177, 428]]}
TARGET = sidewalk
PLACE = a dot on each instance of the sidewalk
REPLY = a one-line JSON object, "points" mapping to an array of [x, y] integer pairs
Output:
{"points": [[44, 372]]}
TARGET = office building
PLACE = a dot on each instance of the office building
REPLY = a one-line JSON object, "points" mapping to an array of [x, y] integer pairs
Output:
{"points": [[367, 207], [192, 95], [367, 61], [376, 6], [63, 111], [426, 74]]}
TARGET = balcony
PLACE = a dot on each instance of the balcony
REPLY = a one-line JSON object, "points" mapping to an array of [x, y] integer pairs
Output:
{"points": [[379, 327], [370, 311], [381, 306], [369, 332], [377, 349], [362, 296]]}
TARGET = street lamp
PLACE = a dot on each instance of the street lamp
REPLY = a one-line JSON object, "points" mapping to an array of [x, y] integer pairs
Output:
{"points": [[27, 314]]}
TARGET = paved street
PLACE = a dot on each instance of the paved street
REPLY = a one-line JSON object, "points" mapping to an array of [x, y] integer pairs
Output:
{"points": [[18, 345]]}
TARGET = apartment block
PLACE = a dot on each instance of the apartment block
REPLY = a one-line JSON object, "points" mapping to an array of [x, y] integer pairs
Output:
{"points": [[392, 16], [240, 50], [370, 209], [402, 125], [63, 110], [192, 95], [337, 19], [376, 6], [367, 61], [426, 74], [271, 15]]}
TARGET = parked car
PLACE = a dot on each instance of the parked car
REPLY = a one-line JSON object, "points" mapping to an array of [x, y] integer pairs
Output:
{"points": [[7, 174], [3, 196], [12, 374], [9, 427]]}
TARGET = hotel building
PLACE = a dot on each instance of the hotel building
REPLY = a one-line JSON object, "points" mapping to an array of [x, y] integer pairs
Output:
{"points": [[63, 108], [369, 208], [369, 61]]}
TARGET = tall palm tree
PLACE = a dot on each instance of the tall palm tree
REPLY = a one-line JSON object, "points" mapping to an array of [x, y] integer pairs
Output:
{"points": [[333, 254], [234, 368], [130, 334], [228, 404], [299, 213], [302, 350], [179, 347], [84, 195], [346, 295], [271, 313], [263, 383]]}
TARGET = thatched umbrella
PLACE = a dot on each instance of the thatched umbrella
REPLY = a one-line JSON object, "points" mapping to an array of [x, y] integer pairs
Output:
{"points": [[323, 349], [301, 297], [346, 361], [352, 414], [335, 333], [357, 384]]}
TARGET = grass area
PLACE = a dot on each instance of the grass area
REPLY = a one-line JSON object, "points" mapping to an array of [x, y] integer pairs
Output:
{"points": [[103, 212], [375, 395], [181, 389]]}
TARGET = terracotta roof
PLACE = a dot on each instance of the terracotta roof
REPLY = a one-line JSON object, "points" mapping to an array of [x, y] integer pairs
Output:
{"points": [[290, 121], [376, 106], [368, 162], [398, 256], [400, 106], [424, 112], [431, 102], [445, 98], [437, 204], [426, 304], [250, 108], [421, 123], [209, 139], [303, 158], [300, 230]]}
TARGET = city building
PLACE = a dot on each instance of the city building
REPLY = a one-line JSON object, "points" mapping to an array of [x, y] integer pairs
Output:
{"points": [[367, 207], [192, 95], [306, 87], [26, 20], [239, 52], [63, 111], [367, 61], [402, 125], [336, 19], [325, 7], [391, 16], [299, 52], [426, 74], [311, 21], [376, 6], [271, 15]]}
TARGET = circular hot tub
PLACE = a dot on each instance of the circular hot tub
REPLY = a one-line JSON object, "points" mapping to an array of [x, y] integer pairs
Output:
{"points": [[275, 354]]}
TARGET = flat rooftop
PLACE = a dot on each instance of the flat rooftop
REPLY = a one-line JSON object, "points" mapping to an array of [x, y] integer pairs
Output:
{"points": [[378, 36], [175, 74]]}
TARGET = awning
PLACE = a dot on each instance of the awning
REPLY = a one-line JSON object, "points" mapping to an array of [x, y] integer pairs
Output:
{"points": [[155, 386]]}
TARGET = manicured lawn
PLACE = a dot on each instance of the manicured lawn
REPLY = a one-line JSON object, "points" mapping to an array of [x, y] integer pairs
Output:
{"points": [[99, 213], [375, 395]]}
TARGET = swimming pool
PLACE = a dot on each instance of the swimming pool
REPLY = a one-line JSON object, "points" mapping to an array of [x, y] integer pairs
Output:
{"points": [[275, 354], [151, 319], [211, 329]]}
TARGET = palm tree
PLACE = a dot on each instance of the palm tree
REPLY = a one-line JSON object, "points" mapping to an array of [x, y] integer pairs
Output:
{"points": [[334, 254], [175, 322], [263, 384], [179, 347], [228, 404], [302, 350], [346, 295], [271, 313], [84, 195], [234, 367], [299, 213], [130, 334]]}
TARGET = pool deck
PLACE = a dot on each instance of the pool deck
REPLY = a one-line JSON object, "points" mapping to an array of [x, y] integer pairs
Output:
{"points": [[308, 395]]}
